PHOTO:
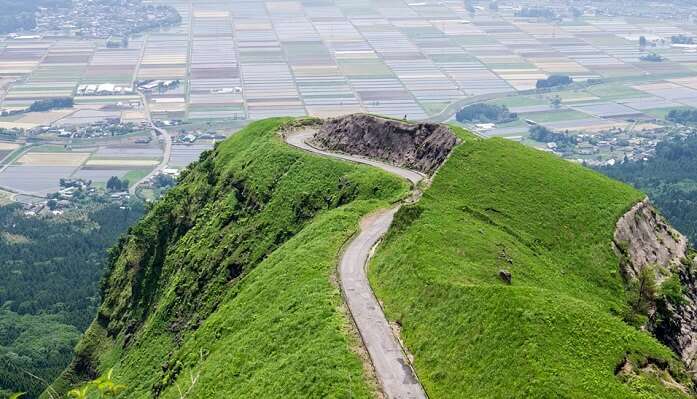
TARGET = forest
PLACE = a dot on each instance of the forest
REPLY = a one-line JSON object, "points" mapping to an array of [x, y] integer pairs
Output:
{"points": [[669, 179], [485, 113], [19, 15], [49, 273]]}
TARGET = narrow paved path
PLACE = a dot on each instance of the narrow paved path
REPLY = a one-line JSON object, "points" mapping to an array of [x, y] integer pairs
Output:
{"points": [[392, 366], [167, 153]]}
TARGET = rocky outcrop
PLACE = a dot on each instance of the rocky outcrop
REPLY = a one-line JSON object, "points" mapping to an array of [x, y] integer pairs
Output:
{"points": [[643, 240], [419, 146]]}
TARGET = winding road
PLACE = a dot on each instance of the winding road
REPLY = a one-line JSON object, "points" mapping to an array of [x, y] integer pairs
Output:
{"points": [[167, 150], [391, 363]]}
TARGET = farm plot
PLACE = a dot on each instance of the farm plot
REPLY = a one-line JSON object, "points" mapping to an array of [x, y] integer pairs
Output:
{"points": [[117, 163], [183, 155], [53, 159], [34, 179]]}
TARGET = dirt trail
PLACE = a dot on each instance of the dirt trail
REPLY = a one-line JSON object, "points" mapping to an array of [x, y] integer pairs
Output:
{"points": [[392, 366]]}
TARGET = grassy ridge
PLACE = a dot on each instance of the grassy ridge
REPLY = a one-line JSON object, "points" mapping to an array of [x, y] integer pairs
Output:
{"points": [[554, 332], [229, 277]]}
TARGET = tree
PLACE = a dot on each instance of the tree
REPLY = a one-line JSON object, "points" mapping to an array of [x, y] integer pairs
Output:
{"points": [[554, 81], [486, 113], [116, 184], [52, 103], [643, 291], [52, 204], [556, 102]]}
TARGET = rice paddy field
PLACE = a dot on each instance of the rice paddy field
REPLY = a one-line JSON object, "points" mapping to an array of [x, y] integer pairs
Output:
{"points": [[37, 170], [253, 59]]}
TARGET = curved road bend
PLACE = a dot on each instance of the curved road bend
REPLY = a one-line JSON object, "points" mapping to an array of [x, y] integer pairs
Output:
{"points": [[167, 150], [392, 367]]}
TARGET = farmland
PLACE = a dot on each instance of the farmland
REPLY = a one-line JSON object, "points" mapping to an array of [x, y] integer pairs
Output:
{"points": [[243, 61]]}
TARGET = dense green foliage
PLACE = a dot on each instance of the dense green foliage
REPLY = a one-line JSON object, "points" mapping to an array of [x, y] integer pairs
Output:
{"points": [[486, 113], [116, 184], [564, 141], [33, 345], [536, 12], [684, 116], [229, 279], [553, 81], [556, 331], [51, 103], [652, 57], [49, 272], [19, 15], [670, 180], [682, 39]]}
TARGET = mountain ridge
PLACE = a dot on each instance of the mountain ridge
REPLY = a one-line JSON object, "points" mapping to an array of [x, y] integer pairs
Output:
{"points": [[229, 277]]}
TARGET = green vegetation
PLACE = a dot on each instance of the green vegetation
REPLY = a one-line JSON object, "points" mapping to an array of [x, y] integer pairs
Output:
{"points": [[681, 39], [682, 115], [554, 81], [537, 12], [49, 270], [486, 113], [557, 330], [564, 141], [652, 57], [233, 271], [19, 15], [51, 103], [116, 184], [670, 180]]}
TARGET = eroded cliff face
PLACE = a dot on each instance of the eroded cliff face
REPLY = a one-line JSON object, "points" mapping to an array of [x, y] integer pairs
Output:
{"points": [[646, 239], [643, 240], [419, 146]]}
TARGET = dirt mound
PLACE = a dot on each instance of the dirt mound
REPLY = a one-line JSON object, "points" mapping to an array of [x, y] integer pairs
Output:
{"points": [[418, 146]]}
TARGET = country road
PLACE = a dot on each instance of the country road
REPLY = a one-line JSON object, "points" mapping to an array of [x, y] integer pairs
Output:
{"points": [[392, 366], [167, 151]]}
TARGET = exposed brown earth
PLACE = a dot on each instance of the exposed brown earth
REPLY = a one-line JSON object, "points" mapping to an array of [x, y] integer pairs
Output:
{"points": [[417, 146]]}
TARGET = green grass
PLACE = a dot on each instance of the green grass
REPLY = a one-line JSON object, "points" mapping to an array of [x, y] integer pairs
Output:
{"points": [[552, 333], [660, 113], [230, 275], [555, 116], [134, 176], [615, 91], [520, 101]]}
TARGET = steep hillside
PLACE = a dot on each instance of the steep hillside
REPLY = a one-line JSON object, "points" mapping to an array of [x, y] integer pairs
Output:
{"points": [[498, 211], [508, 278], [229, 279]]}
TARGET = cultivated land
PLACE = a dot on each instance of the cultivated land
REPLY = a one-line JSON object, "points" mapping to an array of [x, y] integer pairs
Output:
{"points": [[419, 59], [270, 59]]}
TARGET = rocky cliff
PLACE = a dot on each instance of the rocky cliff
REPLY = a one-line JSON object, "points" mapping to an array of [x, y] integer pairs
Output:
{"points": [[420, 146], [644, 240]]}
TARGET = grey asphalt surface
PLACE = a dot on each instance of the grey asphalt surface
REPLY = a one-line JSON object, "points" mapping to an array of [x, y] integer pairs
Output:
{"points": [[167, 150], [391, 364]]}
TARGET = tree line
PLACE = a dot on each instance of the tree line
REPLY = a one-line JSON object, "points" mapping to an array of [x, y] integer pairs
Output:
{"points": [[670, 180], [49, 273]]}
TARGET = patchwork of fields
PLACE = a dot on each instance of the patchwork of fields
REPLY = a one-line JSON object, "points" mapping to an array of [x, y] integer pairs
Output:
{"points": [[253, 59]]}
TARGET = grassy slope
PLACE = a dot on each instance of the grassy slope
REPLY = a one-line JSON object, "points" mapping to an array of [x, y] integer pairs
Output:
{"points": [[278, 216], [551, 333]]}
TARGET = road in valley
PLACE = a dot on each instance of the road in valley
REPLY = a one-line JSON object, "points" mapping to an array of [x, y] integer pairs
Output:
{"points": [[392, 366], [167, 151]]}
